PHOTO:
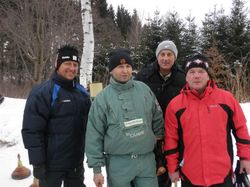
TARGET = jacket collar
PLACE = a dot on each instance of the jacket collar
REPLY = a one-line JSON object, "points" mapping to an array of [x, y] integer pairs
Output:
{"points": [[65, 83], [121, 86], [208, 90]]}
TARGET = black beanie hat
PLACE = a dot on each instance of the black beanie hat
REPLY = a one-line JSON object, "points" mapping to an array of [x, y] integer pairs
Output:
{"points": [[66, 53], [197, 61], [119, 56]]}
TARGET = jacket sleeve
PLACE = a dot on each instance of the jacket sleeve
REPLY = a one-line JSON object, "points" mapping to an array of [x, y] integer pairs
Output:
{"points": [[240, 131], [171, 139], [34, 129], [94, 143], [157, 121]]}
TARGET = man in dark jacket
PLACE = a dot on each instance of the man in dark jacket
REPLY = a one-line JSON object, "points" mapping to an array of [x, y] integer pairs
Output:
{"points": [[54, 124], [166, 80]]}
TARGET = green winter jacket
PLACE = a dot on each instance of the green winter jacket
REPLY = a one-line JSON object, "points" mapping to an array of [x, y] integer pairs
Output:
{"points": [[123, 119]]}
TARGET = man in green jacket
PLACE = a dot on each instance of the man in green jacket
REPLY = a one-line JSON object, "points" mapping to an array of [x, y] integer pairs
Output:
{"points": [[124, 122]]}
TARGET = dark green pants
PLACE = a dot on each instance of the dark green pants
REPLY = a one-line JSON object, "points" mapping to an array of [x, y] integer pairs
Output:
{"points": [[122, 169]]}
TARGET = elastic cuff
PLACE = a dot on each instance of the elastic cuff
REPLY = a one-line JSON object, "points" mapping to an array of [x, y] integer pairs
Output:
{"points": [[38, 166], [97, 170], [244, 158]]}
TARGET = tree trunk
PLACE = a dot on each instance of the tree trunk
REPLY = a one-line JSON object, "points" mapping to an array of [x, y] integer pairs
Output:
{"points": [[88, 44]]}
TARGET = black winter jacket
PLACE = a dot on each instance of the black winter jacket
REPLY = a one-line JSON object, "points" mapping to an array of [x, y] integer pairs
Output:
{"points": [[163, 90], [55, 135]]}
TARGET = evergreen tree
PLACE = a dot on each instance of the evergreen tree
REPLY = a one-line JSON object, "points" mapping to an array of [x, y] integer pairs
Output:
{"points": [[239, 33], [151, 36], [208, 30], [102, 6], [189, 40], [222, 34], [111, 13], [173, 29], [134, 38], [123, 21], [215, 30]]}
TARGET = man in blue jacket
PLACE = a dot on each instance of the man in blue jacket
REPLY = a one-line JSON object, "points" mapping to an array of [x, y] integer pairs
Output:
{"points": [[54, 124]]}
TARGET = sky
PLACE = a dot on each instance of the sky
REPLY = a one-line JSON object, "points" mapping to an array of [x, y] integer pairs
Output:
{"points": [[11, 113], [197, 8]]}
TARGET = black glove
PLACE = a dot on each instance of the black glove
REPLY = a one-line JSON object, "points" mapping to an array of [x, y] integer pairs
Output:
{"points": [[241, 178], [39, 171]]}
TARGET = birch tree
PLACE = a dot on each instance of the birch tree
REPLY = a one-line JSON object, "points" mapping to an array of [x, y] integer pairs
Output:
{"points": [[88, 44]]}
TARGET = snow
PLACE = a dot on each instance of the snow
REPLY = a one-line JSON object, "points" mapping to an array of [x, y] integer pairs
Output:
{"points": [[11, 114]]}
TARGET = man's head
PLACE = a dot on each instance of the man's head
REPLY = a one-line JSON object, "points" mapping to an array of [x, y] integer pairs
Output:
{"points": [[120, 65], [67, 62], [166, 54], [197, 74]]}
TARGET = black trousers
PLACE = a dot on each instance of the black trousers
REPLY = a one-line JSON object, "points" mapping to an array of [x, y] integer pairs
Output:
{"points": [[71, 178], [164, 180], [227, 183]]}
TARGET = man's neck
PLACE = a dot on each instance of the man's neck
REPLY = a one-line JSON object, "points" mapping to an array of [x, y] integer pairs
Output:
{"points": [[165, 75], [164, 72]]}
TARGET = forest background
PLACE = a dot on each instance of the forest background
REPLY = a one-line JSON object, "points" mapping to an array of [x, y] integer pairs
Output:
{"points": [[32, 30]]}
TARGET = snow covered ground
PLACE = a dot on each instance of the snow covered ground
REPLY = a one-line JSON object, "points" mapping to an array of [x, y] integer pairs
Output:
{"points": [[11, 114]]}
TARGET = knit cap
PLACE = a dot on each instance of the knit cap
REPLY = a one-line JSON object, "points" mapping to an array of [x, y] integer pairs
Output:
{"points": [[167, 44], [118, 57], [66, 53], [197, 61]]}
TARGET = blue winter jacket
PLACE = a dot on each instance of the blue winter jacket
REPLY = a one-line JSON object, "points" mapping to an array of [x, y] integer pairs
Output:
{"points": [[54, 123]]}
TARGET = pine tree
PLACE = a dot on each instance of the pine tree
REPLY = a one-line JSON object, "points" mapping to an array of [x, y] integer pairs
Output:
{"points": [[123, 21], [102, 6], [208, 30], [239, 33], [215, 30], [172, 29], [134, 38], [189, 40], [151, 36], [111, 13]]}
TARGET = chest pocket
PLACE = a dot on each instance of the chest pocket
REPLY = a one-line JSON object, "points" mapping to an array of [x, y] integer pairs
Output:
{"points": [[133, 128]]}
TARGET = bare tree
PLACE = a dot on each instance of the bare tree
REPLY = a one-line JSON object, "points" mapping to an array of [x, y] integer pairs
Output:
{"points": [[234, 78], [37, 28]]}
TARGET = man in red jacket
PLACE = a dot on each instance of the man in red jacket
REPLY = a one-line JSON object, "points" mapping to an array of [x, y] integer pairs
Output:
{"points": [[198, 127]]}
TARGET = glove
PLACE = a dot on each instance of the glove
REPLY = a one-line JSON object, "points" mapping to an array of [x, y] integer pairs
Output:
{"points": [[39, 171], [241, 179]]}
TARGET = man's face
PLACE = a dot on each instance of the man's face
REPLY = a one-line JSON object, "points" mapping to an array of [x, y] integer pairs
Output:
{"points": [[122, 73], [166, 60], [197, 79], [68, 69]]}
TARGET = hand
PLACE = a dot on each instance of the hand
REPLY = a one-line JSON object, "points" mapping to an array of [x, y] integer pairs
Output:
{"points": [[98, 179], [174, 177], [245, 166], [39, 171], [160, 171]]}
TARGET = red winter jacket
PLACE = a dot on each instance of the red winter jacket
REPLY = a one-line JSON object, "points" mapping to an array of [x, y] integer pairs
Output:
{"points": [[198, 134]]}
